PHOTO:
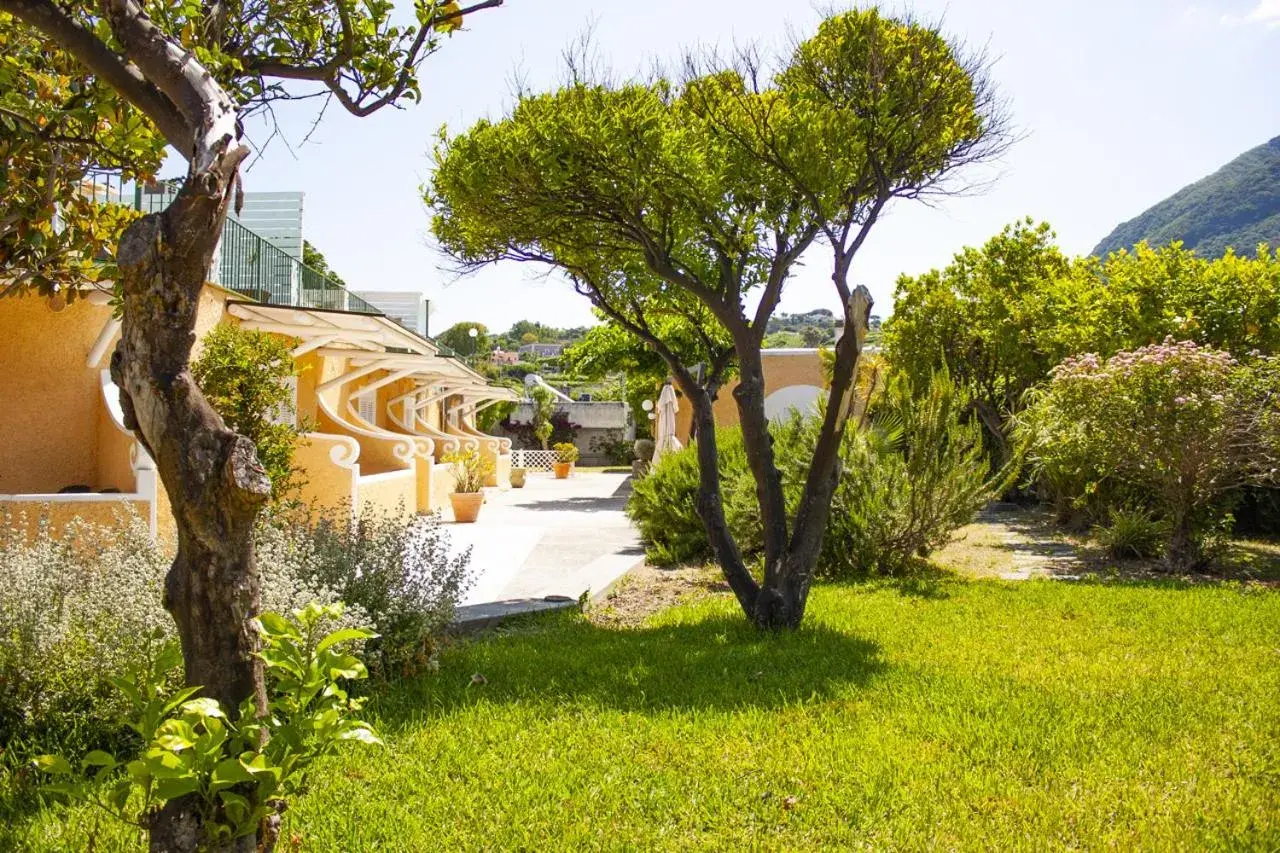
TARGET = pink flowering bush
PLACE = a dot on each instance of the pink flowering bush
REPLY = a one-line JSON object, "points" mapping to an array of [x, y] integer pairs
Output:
{"points": [[1175, 428]]}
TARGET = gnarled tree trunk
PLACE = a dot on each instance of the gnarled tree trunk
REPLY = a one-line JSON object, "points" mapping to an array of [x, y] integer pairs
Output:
{"points": [[212, 476]]}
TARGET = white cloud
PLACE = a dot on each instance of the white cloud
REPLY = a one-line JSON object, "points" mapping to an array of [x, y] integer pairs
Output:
{"points": [[1266, 13]]}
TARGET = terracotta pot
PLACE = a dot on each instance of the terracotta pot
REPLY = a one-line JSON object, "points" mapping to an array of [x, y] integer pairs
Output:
{"points": [[466, 506], [562, 469], [517, 478]]}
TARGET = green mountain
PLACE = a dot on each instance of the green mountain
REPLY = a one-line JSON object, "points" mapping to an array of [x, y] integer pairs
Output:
{"points": [[1238, 206]]}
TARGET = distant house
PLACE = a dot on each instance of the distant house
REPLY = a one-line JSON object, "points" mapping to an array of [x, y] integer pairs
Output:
{"points": [[542, 350], [500, 356]]}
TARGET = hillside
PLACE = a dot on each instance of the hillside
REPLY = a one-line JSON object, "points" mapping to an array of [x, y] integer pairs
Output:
{"points": [[1238, 205]]}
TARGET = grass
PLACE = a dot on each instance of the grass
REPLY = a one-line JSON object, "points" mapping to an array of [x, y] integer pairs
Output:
{"points": [[940, 713]]}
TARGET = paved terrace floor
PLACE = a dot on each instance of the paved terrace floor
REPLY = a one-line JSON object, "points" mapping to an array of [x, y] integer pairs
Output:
{"points": [[552, 539]]}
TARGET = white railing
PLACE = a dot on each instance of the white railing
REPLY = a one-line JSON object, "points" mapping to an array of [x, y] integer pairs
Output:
{"points": [[534, 460]]}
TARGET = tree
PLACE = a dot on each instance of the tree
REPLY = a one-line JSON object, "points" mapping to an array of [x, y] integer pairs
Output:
{"points": [[813, 337], [784, 339], [190, 72], [999, 317], [58, 132], [458, 338], [672, 198], [983, 319], [544, 406], [610, 349], [314, 258]]}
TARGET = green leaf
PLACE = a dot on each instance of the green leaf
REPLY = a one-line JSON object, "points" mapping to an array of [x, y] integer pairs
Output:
{"points": [[343, 636], [273, 625], [54, 764], [204, 707], [177, 786], [98, 758]]}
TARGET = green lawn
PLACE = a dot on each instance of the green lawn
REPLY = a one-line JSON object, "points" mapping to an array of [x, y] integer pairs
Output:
{"points": [[953, 714]]}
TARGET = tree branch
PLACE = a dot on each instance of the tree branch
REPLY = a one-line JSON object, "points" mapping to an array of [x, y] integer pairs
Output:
{"points": [[356, 108], [90, 51]]}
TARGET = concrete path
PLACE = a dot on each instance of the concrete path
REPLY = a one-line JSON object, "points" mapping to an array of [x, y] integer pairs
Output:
{"points": [[552, 539]]}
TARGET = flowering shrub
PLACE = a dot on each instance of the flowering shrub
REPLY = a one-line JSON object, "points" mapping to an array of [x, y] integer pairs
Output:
{"points": [[237, 772], [398, 571], [470, 470], [76, 607], [1175, 427]]}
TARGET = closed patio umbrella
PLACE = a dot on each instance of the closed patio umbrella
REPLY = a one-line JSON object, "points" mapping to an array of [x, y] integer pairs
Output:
{"points": [[664, 437]]}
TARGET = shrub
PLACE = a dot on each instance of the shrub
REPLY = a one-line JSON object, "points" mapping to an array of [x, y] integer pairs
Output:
{"points": [[663, 504], [76, 607], [470, 470], [244, 373], [618, 451], [1176, 428], [397, 570], [239, 770], [908, 479], [1132, 533], [566, 453], [72, 609]]}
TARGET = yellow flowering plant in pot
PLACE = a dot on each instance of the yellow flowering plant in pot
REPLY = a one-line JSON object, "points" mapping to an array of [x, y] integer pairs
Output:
{"points": [[470, 471], [566, 455]]}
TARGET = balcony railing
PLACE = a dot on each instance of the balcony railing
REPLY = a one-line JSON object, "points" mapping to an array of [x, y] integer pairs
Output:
{"points": [[246, 262]]}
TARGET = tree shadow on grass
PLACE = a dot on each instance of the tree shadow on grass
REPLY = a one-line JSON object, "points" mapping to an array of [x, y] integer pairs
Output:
{"points": [[713, 661]]}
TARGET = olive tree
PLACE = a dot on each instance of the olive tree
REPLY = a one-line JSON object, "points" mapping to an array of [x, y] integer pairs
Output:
{"points": [[668, 197], [186, 73]]}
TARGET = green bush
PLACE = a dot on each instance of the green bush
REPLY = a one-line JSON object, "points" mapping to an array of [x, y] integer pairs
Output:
{"points": [[1175, 428], [238, 770], [78, 607], [244, 374], [397, 571], [909, 477], [1132, 533], [663, 504]]}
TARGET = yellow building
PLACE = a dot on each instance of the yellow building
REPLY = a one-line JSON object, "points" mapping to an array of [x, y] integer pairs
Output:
{"points": [[385, 405], [793, 380]]}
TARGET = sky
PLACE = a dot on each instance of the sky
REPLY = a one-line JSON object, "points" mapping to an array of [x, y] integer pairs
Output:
{"points": [[1118, 104]]}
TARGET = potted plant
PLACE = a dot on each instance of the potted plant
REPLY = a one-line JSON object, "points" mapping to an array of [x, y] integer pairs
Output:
{"points": [[470, 470], [566, 455], [517, 477]]}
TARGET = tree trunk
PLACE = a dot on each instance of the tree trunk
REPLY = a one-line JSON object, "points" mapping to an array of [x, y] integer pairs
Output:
{"points": [[710, 503], [749, 396], [785, 592], [212, 476], [1185, 552]]}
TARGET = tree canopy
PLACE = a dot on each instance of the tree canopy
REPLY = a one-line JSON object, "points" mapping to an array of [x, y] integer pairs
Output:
{"points": [[459, 339]]}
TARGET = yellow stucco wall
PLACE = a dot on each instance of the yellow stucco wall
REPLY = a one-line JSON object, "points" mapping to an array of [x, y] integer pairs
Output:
{"points": [[328, 485], [395, 492], [28, 515], [49, 398], [502, 471], [114, 469], [442, 485], [781, 369]]}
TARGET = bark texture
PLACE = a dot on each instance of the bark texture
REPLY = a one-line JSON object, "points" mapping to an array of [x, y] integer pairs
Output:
{"points": [[212, 476]]}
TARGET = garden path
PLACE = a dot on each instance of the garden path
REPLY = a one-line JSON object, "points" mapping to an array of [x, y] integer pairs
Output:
{"points": [[552, 539]]}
